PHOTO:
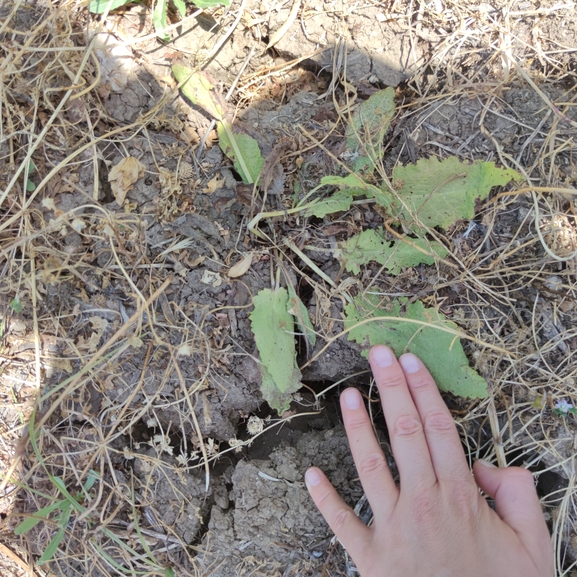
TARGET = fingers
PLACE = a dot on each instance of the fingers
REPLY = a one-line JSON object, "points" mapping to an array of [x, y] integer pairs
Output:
{"points": [[351, 531], [517, 503], [403, 421], [370, 461], [446, 452]]}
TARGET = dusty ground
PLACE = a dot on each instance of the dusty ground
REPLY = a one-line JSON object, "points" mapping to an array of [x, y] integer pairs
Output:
{"points": [[129, 348]]}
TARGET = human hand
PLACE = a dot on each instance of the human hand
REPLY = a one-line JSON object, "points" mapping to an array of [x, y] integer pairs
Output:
{"points": [[436, 524]]}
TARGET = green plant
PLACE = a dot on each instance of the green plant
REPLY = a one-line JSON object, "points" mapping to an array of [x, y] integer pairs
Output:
{"points": [[411, 327], [159, 14], [416, 198], [65, 506], [70, 504], [30, 186], [242, 149], [273, 328], [16, 305]]}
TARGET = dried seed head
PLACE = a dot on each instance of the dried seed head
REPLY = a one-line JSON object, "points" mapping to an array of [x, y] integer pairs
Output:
{"points": [[254, 426]]}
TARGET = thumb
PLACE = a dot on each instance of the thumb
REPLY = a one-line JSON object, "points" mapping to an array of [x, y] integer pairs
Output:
{"points": [[517, 503]]}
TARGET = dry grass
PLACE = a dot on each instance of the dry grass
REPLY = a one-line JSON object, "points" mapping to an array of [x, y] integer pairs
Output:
{"points": [[514, 274]]}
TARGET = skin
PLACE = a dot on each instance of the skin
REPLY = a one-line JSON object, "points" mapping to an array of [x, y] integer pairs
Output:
{"points": [[437, 523]]}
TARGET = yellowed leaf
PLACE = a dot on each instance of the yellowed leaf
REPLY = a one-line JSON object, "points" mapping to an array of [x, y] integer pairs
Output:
{"points": [[135, 341], [124, 175], [213, 184], [240, 267]]}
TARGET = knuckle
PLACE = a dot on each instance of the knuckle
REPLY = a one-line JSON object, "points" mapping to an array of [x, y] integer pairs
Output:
{"points": [[407, 426], [439, 422], [425, 507], [356, 424], [520, 475], [339, 519], [418, 381], [392, 381], [372, 464]]}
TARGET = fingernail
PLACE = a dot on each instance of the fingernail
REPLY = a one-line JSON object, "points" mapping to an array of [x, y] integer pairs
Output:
{"points": [[410, 363], [486, 464], [352, 398], [312, 478], [383, 356]]}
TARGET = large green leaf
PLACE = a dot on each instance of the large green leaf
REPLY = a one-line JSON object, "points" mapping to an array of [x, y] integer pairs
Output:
{"points": [[440, 193], [368, 126], [371, 245], [440, 351], [100, 6], [243, 150], [273, 329]]}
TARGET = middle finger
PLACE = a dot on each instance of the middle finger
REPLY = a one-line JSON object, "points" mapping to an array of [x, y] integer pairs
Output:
{"points": [[403, 421]]}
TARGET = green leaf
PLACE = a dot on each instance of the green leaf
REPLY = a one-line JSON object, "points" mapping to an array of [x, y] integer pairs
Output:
{"points": [[100, 6], [211, 3], [181, 7], [197, 89], [368, 126], [16, 305], [338, 202], [440, 351], [440, 193], [30, 186], [159, 19], [93, 476], [54, 544], [40, 515], [371, 245], [297, 308], [243, 150], [273, 329]]}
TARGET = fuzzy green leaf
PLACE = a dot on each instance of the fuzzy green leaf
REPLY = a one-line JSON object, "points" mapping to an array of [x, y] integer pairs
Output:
{"points": [[441, 351], [371, 245], [159, 19], [197, 89], [211, 3], [273, 329], [16, 305], [297, 308], [340, 201], [243, 150], [100, 6], [440, 193], [368, 126]]}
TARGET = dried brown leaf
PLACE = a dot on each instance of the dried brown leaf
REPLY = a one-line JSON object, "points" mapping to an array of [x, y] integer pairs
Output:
{"points": [[124, 175]]}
